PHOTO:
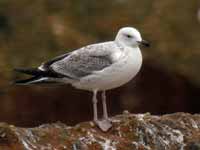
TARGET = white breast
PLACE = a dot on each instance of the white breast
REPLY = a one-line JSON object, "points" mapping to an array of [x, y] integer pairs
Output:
{"points": [[116, 75]]}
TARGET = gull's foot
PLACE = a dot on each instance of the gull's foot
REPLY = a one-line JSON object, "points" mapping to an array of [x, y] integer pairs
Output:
{"points": [[104, 125]]}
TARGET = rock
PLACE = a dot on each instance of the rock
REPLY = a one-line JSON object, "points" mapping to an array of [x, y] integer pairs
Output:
{"points": [[130, 131]]}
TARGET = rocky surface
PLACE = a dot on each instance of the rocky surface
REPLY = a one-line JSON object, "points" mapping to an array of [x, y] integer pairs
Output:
{"points": [[179, 131]]}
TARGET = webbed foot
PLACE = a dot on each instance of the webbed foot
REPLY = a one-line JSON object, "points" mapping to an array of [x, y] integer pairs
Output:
{"points": [[104, 125]]}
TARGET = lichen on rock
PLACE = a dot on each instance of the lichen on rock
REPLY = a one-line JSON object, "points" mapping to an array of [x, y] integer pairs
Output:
{"points": [[176, 131]]}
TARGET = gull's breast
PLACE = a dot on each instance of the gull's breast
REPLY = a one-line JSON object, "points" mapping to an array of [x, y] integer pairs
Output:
{"points": [[114, 76]]}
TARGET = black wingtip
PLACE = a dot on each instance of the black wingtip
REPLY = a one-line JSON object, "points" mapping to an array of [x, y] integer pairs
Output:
{"points": [[25, 81], [29, 71]]}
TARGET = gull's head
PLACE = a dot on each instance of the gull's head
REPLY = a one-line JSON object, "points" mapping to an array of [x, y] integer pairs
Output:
{"points": [[131, 37]]}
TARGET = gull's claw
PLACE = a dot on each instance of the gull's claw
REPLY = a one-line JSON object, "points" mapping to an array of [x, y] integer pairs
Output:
{"points": [[104, 125]]}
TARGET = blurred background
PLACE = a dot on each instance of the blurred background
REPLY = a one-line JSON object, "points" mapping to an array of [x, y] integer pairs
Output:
{"points": [[34, 31]]}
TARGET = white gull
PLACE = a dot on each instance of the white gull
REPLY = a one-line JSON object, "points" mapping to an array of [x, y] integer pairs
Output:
{"points": [[96, 67]]}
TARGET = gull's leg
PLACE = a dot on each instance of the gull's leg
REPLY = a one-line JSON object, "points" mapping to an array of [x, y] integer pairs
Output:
{"points": [[105, 113], [104, 124], [94, 101]]}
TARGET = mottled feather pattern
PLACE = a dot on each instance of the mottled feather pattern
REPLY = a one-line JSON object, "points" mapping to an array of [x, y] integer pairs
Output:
{"points": [[85, 60], [78, 66]]}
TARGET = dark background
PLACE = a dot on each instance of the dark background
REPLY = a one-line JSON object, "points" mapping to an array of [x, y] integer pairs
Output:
{"points": [[34, 31]]}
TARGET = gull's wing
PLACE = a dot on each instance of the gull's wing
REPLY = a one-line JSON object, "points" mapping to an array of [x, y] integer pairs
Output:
{"points": [[84, 61]]}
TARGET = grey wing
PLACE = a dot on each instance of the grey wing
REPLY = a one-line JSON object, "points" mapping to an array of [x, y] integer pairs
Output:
{"points": [[79, 65]]}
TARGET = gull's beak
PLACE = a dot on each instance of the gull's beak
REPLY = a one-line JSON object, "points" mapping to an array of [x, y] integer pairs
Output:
{"points": [[144, 43]]}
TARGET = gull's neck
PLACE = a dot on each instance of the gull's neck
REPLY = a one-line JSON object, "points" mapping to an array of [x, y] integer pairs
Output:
{"points": [[119, 43]]}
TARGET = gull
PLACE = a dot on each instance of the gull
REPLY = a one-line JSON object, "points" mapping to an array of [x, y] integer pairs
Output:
{"points": [[96, 67]]}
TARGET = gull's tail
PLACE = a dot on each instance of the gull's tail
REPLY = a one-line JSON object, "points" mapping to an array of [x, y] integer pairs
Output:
{"points": [[38, 76]]}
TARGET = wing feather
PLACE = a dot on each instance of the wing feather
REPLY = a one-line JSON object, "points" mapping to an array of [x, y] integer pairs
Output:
{"points": [[85, 61], [78, 66]]}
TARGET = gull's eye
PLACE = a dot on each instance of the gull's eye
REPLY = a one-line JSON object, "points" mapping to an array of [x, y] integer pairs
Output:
{"points": [[128, 36]]}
